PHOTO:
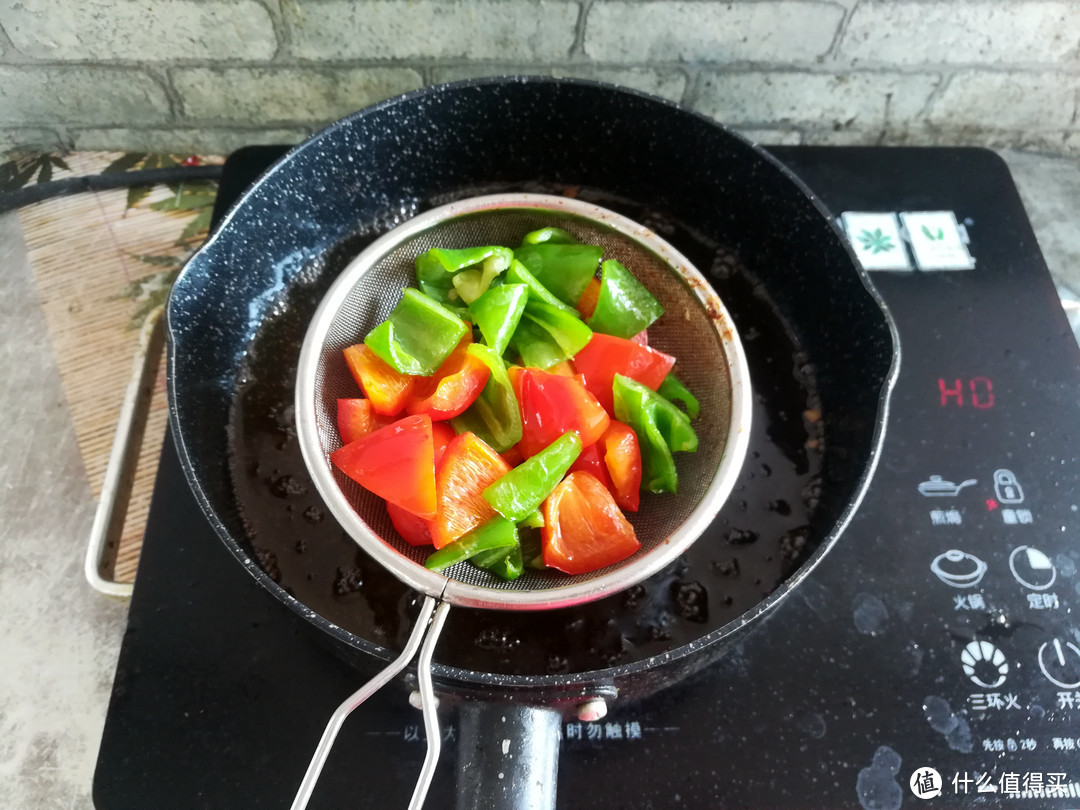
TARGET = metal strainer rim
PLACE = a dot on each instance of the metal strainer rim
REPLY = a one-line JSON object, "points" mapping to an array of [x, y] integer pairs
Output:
{"points": [[621, 577]]}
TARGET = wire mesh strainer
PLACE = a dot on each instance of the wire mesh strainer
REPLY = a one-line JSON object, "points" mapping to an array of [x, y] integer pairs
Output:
{"points": [[695, 328]]}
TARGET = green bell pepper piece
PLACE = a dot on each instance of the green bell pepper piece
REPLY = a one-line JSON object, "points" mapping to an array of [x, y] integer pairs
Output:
{"points": [[494, 533], [521, 491], [554, 236], [419, 334], [497, 313], [532, 548], [565, 270], [435, 270], [625, 306], [548, 335], [495, 415], [661, 428], [532, 521], [673, 390], [506, 564], [518, 273]]}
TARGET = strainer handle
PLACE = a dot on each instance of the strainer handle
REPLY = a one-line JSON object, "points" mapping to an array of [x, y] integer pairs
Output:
{"points": [[429, 624]]}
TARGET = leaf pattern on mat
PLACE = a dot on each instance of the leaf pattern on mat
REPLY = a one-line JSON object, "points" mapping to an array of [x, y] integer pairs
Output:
{"points": [[192, 201], [21, 170]]}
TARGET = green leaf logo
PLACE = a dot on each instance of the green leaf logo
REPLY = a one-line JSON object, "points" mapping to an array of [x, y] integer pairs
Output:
{"points": [[875, 241]]}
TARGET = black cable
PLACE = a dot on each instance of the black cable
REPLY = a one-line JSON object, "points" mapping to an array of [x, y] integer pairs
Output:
{"points": [[98, 182]]}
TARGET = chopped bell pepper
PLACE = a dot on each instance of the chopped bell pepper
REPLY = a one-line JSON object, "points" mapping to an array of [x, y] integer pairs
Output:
{"points": [[518, 493], [505, 563], [453, 388], [418, 336], [552, 405], [661, 429], [622, 458], [548, 335], [494, 533], [584, 529], [625, 306], [586, 305], [494, 415], [414, 530], [497, 313], [519, 274], [396, 462], [435, 270], [466, 469], [356, 418], [555, 236], [673, 390], [563, 269], [607, 355], [386, 388]]}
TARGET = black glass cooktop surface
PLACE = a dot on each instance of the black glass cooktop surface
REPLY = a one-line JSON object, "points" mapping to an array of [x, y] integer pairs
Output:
{"points": [[935, 652]]}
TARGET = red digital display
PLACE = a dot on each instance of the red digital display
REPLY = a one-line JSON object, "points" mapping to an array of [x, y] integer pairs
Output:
{"points": [[977, 392]]}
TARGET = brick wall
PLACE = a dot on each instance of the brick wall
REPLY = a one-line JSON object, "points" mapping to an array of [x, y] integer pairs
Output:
{"points": [[210, 75]]}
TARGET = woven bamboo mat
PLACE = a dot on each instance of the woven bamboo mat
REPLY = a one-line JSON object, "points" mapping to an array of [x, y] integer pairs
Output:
{"points": [[101, 263]]}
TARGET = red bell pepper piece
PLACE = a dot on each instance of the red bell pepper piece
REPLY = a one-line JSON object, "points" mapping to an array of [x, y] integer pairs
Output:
{"points": [[396, 462], [615, 461], [356, 418], [451, 389], [442, 434], [584, 530], [414, 530], [386, 387], [606, 355], [622, 460], [591, 461], [465, 471], [552, 405]]}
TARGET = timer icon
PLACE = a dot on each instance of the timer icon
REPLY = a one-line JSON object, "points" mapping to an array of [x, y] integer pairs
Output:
{"points": [[1032, 568]]}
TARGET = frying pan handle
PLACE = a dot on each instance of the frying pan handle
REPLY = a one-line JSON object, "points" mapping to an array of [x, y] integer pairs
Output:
{"points": [[428, 626], [508, 756]]}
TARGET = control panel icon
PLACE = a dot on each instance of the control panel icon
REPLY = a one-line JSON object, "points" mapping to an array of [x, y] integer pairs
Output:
{"points": [[1031, 568], [1060, 663], [958, 569], [984, 664], [937, 487], [1007, 488]]}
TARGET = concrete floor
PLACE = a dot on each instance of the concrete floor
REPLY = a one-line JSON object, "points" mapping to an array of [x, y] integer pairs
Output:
{"points": [[58, 638]]}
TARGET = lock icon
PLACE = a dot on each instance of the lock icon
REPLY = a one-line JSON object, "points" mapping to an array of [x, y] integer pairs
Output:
{"points": [[1007, 488]]}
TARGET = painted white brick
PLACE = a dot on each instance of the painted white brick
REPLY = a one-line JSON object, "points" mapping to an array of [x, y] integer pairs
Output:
{"points": [[203, 141], [686, 30], [824, 100], [142, 30], [667, 83], [431, 29], [306, 95], [1011, 100], [774, 137], [80, 95], [958, 31], [29, 139]]}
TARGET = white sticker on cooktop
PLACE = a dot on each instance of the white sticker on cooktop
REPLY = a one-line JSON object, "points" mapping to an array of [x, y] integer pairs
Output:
{"points": [[876, 240], [938, 241]]}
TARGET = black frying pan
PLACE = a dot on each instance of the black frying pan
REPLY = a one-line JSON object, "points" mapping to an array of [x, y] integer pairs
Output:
{"points": [[775, 258]]}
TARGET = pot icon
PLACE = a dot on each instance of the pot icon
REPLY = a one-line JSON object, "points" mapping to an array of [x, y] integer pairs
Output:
{"points": [[958, 569]]}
